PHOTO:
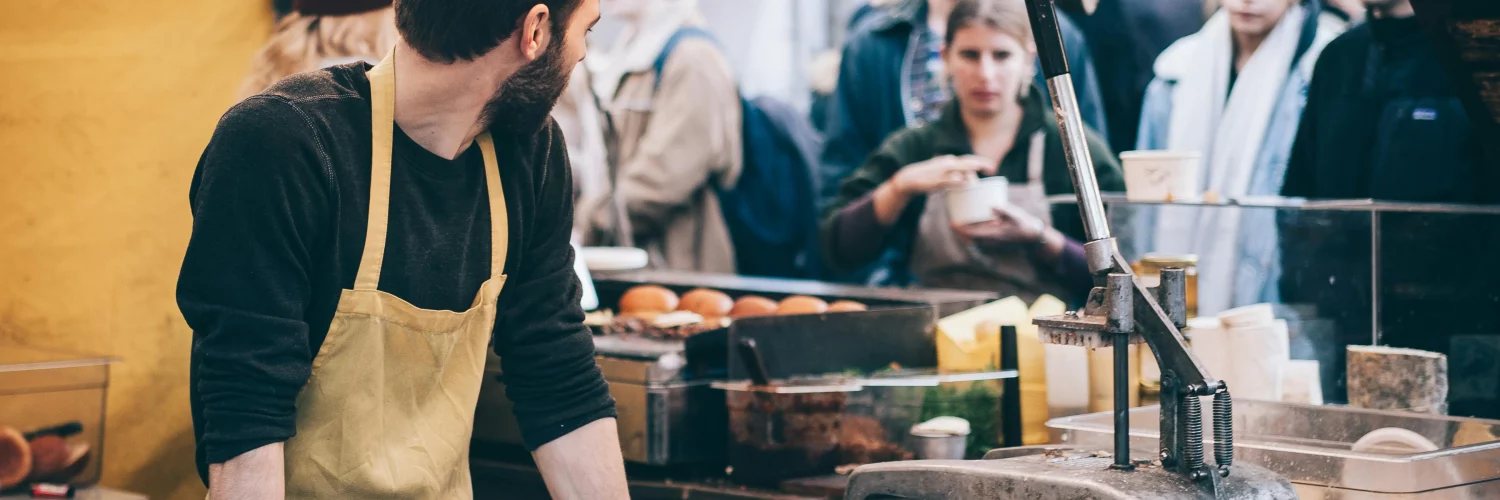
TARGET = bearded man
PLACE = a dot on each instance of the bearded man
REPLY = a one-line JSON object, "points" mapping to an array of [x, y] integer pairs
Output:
{"points": [[362, 235]]}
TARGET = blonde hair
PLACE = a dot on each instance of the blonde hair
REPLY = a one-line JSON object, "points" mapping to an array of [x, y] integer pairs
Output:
{"points": [[1006, 16], [301, 42]]}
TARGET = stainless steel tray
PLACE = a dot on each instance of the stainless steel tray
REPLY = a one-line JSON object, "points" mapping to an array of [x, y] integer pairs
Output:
{"points": [[1320, 445]]}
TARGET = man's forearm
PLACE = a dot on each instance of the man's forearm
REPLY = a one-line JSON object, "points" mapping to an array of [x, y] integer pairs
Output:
{"points": [[258, 474], [584, 464]]}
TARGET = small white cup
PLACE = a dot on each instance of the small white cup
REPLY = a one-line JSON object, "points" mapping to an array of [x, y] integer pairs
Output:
{"points": [[976, 201], [1162, 175]]}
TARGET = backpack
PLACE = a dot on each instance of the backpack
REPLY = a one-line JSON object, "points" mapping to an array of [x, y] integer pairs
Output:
{"points": [[772, 211]]}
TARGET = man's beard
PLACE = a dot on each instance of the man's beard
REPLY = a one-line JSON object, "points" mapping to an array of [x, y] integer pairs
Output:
{"points": [[521, 105]]}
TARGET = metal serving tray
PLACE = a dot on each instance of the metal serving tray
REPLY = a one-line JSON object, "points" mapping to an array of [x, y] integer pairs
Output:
{"points": [[1316, 445]]}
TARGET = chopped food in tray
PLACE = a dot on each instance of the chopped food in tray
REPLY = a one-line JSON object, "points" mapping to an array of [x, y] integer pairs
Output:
{"points": [[624, 325]]}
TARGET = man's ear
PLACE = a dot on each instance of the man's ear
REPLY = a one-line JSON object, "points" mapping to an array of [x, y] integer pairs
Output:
{"points": [[536, 32]]}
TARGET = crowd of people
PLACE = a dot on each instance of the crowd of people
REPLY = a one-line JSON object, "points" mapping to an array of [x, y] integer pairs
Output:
{"points": [[1303, 98]]}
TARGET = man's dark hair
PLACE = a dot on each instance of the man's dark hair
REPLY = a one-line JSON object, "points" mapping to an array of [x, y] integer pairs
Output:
{"points": [[450, 30]]}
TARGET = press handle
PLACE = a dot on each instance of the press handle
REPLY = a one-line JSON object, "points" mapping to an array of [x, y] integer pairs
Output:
{"points": [[1049, 44], [750, 354]]}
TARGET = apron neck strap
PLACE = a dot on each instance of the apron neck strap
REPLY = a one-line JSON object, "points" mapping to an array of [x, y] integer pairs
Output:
{"points": [[382, 127], [1036, 157], [499, 216]]}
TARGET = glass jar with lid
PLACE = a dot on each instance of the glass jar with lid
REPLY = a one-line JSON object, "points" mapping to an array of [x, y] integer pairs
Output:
{"points": [[1148, 270]]}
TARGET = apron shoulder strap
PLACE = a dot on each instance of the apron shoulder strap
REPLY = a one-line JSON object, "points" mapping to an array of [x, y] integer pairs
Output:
{"points": [[499, 215], [382, 129], [1036, 157]]}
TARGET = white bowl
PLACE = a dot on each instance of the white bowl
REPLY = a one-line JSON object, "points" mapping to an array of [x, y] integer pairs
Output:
{"points": [[1396, 441], [1162, 175], [976, 201]]}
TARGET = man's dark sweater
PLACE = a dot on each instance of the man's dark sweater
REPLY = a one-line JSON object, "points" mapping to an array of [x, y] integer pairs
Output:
{"points": [[280, 201]]}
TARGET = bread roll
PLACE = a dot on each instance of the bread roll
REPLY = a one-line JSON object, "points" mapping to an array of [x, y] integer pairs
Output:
{"points": [[647, 301], [77, 460], [847, 306], [801, 304], [711, 304], [49, 455], [15, 457], [753, 305]]}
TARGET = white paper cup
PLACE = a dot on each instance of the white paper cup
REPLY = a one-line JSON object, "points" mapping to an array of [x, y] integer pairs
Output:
{"points": [[1248, 316], [977, 201], [1162, 175]]}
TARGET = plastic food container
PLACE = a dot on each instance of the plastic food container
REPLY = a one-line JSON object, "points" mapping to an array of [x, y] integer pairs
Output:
{"points": [[876, 421], [54, 401], [786, 430], [1162, 175], [896, 401]]}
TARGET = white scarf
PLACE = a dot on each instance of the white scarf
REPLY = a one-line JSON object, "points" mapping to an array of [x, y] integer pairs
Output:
{"points": [[1228, 134], [639, 43]]}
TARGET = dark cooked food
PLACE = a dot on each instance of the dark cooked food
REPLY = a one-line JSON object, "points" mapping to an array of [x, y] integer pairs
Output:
{"points": [[774, 437], [15, 457], [49, 455], [752, 305], [77, 460], [711, 304], [802, 304], [647, 301], [862, 440]]}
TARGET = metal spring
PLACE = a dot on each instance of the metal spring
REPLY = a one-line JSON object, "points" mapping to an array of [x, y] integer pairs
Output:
{"points": [[1223, 429], [1192, 450]]}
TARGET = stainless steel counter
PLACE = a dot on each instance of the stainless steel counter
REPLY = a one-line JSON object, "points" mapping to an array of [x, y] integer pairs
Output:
{"points": [[1324, 451]]}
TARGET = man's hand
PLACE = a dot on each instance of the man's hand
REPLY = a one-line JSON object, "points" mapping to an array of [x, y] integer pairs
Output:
{"points": [[584, 464], [258, 474], [1011, 227]]}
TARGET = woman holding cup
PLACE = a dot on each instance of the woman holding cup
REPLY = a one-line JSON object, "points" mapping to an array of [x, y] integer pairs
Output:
{"points": [[960, 202]]}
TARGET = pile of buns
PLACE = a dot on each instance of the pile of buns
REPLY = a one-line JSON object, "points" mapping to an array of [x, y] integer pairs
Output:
{"points": [[655, 309], [651, 301]]}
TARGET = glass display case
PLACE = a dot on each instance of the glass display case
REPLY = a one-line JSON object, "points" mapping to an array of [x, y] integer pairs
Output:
{"points": [[1342, 272], [51, 416]]}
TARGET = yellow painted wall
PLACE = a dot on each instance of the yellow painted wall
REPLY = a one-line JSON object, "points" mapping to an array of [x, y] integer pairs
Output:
{"points": [[105, 106]]}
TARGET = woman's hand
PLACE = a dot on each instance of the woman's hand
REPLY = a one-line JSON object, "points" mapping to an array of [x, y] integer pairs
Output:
{"points": [[1010, 227], [943, 172]]}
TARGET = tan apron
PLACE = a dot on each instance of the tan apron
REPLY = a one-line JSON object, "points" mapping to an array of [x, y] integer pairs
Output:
{"points": [[389, 408], [941, 259]]}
